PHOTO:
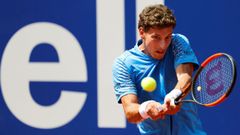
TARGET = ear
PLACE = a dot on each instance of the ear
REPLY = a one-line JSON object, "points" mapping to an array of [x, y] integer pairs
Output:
{"points": [[141, 32]]}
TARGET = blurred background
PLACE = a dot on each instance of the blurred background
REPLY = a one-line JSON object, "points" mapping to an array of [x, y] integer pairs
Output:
{"points": [[56, 61]]}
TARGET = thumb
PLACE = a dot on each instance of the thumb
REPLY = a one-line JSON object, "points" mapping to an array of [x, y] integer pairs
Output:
{"points": [[168, 103]]}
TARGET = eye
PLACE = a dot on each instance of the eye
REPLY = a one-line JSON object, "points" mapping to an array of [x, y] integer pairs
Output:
{"points": [[155, 37], [168, 37]]}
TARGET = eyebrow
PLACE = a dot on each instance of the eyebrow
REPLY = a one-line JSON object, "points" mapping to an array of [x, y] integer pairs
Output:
{"points": [[155, 34]]}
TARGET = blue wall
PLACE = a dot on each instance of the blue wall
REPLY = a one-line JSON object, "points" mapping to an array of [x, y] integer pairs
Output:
{"points": [[211, 26]]}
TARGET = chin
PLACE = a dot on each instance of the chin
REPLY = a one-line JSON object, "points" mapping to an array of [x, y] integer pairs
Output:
{"points": [[159, 57]]}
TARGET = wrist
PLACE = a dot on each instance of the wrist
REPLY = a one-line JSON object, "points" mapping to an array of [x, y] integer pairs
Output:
{"points": [[173, 94], [142, 109], [176, 93]]}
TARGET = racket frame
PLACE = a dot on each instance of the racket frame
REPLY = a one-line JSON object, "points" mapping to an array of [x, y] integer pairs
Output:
{"points": [[223, 97]]}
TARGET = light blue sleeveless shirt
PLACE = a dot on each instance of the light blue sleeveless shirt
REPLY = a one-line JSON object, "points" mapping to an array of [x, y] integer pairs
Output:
{"points": [[133, 65]]}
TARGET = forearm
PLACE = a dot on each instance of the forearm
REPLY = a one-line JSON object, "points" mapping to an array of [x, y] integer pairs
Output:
{"points": [[136, 112], [184, 73], [132, 113], [184, 77], [184, 82], [131, 108]]}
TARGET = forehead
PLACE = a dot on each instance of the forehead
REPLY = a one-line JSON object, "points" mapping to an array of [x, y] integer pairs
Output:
{"points": [[160, 31]]}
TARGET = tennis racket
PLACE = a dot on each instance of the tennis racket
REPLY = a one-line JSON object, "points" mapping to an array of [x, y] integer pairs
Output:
{"points": [[213, 81]]}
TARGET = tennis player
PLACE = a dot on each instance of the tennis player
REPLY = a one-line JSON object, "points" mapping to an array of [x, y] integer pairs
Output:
{"points": [[169, 59]]}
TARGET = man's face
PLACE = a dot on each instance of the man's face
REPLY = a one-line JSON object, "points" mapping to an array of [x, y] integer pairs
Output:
{"points": [[156, 41]]}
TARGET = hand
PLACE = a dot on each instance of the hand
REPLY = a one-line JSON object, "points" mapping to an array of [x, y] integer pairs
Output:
{"points": [[175, 93], [169, 102], [155, 110], [171, 108]]}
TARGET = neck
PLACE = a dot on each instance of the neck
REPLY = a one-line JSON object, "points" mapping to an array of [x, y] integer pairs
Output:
{"points": [[141, 47]]}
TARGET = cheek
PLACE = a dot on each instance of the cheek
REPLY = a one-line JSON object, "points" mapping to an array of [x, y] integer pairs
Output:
{"points": [[168, 43], [148, 42]]}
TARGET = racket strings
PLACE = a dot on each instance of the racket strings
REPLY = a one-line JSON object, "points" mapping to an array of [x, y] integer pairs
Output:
{"points": [[214, 80]]}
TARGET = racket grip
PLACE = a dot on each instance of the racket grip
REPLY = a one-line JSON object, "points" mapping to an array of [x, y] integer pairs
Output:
{"points": [[177, 100]]}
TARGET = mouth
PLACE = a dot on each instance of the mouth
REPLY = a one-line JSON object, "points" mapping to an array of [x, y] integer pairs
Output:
{"points": [[158, 54], [160, 51]]}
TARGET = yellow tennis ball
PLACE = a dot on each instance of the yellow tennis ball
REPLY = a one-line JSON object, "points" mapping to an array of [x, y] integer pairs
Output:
{"points": [[148, 84]]}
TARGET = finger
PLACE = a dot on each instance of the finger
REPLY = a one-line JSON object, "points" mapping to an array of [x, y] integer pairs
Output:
{"points": [[172, 103], [160, 108], [153, 112], [162, 117], [179, 104], [154, 117], [168, 103]]}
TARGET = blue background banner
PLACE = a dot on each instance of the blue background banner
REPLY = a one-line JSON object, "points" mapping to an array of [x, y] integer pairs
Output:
{"points": [[56, 59]]}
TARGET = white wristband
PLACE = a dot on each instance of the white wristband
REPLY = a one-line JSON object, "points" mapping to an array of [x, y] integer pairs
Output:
{"points": [[176, 93], [142, 109], [173, 95]]}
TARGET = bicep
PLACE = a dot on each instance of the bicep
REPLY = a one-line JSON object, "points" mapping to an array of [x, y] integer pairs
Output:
{"points": [[122, 80]]}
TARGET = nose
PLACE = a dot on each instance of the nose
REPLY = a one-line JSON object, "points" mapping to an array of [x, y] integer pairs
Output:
{"points": [[163, 45]]}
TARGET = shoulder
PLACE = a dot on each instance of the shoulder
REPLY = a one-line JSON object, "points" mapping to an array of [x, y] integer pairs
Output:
{"points": [[123, 57], [179, 38], [121, 62], [180, 42], [182, 51]]}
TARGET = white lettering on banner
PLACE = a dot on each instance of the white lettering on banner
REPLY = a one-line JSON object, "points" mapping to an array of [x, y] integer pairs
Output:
{"points": [[17, 72], [110, 44]]}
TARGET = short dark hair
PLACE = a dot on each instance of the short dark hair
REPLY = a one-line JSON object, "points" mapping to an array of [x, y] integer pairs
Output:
{"points": [[156, 16]]}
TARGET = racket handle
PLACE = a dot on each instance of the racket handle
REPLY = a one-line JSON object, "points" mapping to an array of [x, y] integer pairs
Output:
{"points": [[177, 100]]}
